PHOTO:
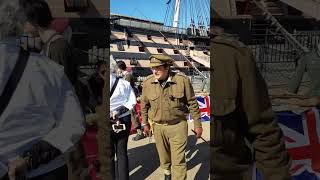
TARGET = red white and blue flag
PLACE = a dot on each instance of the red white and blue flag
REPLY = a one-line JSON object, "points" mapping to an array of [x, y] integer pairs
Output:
{"points": [[204, 106], [302, 136]]}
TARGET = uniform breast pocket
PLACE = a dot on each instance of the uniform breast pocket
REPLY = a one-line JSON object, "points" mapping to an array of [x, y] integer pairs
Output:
{"points": [[154, 100], [154, 105], [176, 99]]}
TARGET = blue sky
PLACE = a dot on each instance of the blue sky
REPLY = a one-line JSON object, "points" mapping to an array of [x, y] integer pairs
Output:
{"points": [[156, 10], [152, 9]]}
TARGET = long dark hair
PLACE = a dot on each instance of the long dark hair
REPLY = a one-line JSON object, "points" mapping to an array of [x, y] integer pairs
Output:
{"points": [[37, 12]]}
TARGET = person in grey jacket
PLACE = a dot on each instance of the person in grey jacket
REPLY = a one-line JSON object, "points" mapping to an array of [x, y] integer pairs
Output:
{"points": [[310, 64], [43, 119]]}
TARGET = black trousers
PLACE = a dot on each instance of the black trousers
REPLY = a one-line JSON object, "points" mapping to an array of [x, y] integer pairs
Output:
{"points": [[57, 174], [119, 147]]}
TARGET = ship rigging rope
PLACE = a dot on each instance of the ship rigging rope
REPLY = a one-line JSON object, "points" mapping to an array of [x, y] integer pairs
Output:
{"points": [[186, 12], [201, 13], [207, 8], [293, 41], [174, 47], [184, 57], [191, 11], [183, 16], [171, 15], [198, 12], [166, 15]]}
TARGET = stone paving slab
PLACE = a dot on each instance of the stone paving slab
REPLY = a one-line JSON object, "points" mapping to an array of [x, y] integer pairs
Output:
{"points": [[144, 160]]}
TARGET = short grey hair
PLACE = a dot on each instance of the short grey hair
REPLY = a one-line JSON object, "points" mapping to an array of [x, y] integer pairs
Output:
{"points": [[113, 65], [11, 18]]}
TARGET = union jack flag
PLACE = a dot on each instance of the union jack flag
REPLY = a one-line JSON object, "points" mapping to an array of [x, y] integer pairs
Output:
{"points": [[302, 136], [204, 106]]}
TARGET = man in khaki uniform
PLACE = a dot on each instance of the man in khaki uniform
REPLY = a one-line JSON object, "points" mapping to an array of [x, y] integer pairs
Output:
{"points": [[243, 117], [166, 98]]}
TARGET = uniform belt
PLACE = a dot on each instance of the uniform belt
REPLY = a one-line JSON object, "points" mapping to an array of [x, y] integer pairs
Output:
{"points": [[173, 122]]}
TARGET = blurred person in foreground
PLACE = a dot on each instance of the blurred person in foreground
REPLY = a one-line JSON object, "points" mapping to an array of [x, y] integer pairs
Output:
{"points": [[42, 120], [39, 26], [53, 44], [244, 129]]}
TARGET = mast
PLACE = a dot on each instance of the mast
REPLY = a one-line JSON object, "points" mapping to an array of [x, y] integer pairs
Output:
{"points": [[176, 14]]}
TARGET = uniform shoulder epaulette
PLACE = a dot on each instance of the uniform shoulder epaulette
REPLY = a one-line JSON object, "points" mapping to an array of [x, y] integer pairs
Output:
{"points": [[148, 77], [229, 41], [181, 74]]}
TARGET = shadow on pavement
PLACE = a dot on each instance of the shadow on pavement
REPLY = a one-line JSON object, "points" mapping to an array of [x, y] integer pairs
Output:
{"points": [[198, 154], [144, 160]]}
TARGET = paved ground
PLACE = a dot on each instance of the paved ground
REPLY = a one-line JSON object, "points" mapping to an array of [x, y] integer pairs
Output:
{"points": [[144, 160]]}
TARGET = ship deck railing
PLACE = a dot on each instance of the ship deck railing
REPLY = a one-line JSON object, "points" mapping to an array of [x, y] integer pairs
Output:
{"points": [[157, 27]]}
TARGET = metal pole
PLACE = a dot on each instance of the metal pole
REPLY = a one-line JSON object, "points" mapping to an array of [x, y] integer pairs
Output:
{"points": [[176, 14]]}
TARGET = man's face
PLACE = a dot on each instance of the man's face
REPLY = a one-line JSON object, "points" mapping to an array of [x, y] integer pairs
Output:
{"points": [[119, 71], [160, 72]]}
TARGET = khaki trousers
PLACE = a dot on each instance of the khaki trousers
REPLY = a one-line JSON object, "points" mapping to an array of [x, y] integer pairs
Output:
{"points": [[171, 141]]}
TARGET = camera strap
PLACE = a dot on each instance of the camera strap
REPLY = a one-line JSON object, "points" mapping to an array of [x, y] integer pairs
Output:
{"points": [[14, 79]]}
